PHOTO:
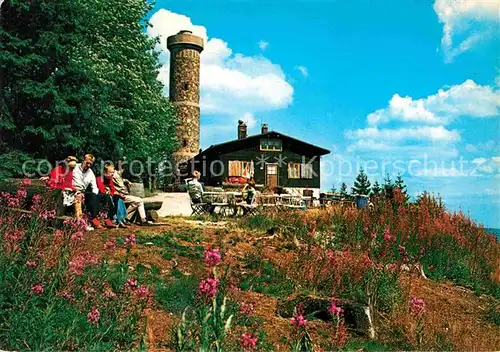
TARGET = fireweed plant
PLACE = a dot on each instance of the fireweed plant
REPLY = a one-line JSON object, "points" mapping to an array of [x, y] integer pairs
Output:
{"points": [[359, 252], [205, 327], [300, 341], [54, 295]]}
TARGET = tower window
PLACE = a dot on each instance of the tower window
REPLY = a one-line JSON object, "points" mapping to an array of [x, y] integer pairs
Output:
{"points": [[184, 143], [186, 86]]}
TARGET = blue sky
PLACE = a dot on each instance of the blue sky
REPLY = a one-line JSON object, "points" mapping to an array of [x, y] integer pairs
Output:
{"points": [[412, 83]]}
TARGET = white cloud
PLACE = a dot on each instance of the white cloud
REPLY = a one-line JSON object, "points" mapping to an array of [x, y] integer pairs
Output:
{"points": [[263, 45], [487, 165], [482, 147], [425, 133], [231, 83], [441, 172], [466, 99], [303, 71], [476, 19]]}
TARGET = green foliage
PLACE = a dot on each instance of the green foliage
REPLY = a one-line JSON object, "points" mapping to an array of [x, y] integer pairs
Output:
{"points": [[361, 184], [343, 190], [265, 278], [493, 314], [376, 190], [388, 187], [178, 294], [82, 77], [171, 246], [400, 184]]}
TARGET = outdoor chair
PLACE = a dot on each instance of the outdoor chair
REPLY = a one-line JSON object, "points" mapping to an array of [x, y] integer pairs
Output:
{"points": [[196, 208], [253, 208]]}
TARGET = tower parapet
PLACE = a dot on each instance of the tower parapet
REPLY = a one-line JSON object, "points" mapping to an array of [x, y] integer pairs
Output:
{"points": [[185, 49]]}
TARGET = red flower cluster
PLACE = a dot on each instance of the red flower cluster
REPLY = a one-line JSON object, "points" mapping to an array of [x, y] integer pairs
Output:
{"points": [[94, 316], [298, 320], [417, 306], [208, 288], [79, 262], [248, 342], [212, 257]]}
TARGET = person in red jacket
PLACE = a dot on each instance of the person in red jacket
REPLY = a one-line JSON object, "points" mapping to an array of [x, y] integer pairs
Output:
{"points": [[60, 179]]}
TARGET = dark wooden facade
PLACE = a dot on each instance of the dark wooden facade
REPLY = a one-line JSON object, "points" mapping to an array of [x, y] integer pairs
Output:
{"points": [[271, 168]]}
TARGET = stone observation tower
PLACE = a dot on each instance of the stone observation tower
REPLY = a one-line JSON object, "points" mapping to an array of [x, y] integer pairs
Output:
{"points": [[185, 49]]}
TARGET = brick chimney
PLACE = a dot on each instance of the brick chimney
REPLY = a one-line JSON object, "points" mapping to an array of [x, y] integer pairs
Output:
{"points": [[242, 130], [265, 128]]}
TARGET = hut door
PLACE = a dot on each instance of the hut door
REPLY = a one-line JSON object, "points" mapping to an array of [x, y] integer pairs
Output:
{"points": [[271, 175]]}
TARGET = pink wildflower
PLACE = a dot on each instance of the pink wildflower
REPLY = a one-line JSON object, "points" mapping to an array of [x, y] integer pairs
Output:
{"points": [[110, 244], [247, 308], [37, 289], [22, 194], [130, 240], [298, 320], [31, 264], [77, 236], [66, 295], [392, 267], [387, 236], [14, 236], [335, 310], [131, 284], [26, 182], [208, 288], [248, 342], [58, 234], [142, 293], [79, 262], [417, 306], [48, 214], [94, 316], [212, 257]]}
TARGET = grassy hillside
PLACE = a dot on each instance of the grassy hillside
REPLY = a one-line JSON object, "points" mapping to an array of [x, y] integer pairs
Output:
{"points": [[216, 284]]}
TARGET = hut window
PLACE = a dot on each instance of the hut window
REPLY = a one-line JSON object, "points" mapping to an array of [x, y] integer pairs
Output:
{"points": [[307, 171], [270, 144], [186, 86], [294, 170], [184, 143], [241, 168]]}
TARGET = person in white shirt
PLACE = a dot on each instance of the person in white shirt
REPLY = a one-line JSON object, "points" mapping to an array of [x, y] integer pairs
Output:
{"points": [[84, 182]]}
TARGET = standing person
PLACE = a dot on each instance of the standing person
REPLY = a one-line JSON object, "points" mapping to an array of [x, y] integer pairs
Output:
{"points": [[84, 181], [134, 204]]}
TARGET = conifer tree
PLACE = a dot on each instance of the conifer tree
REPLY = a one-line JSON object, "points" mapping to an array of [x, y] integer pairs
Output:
{"points": [[376, 190], [333, 189], [80, 76], [343, 190], [400, 184], [388, 187], [361, 184]]}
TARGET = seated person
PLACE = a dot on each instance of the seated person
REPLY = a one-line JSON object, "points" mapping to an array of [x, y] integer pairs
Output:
{"points": [[195, 190], [248, 191], [84, 182], [60, 180], [106, 186], [134, 204]]}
